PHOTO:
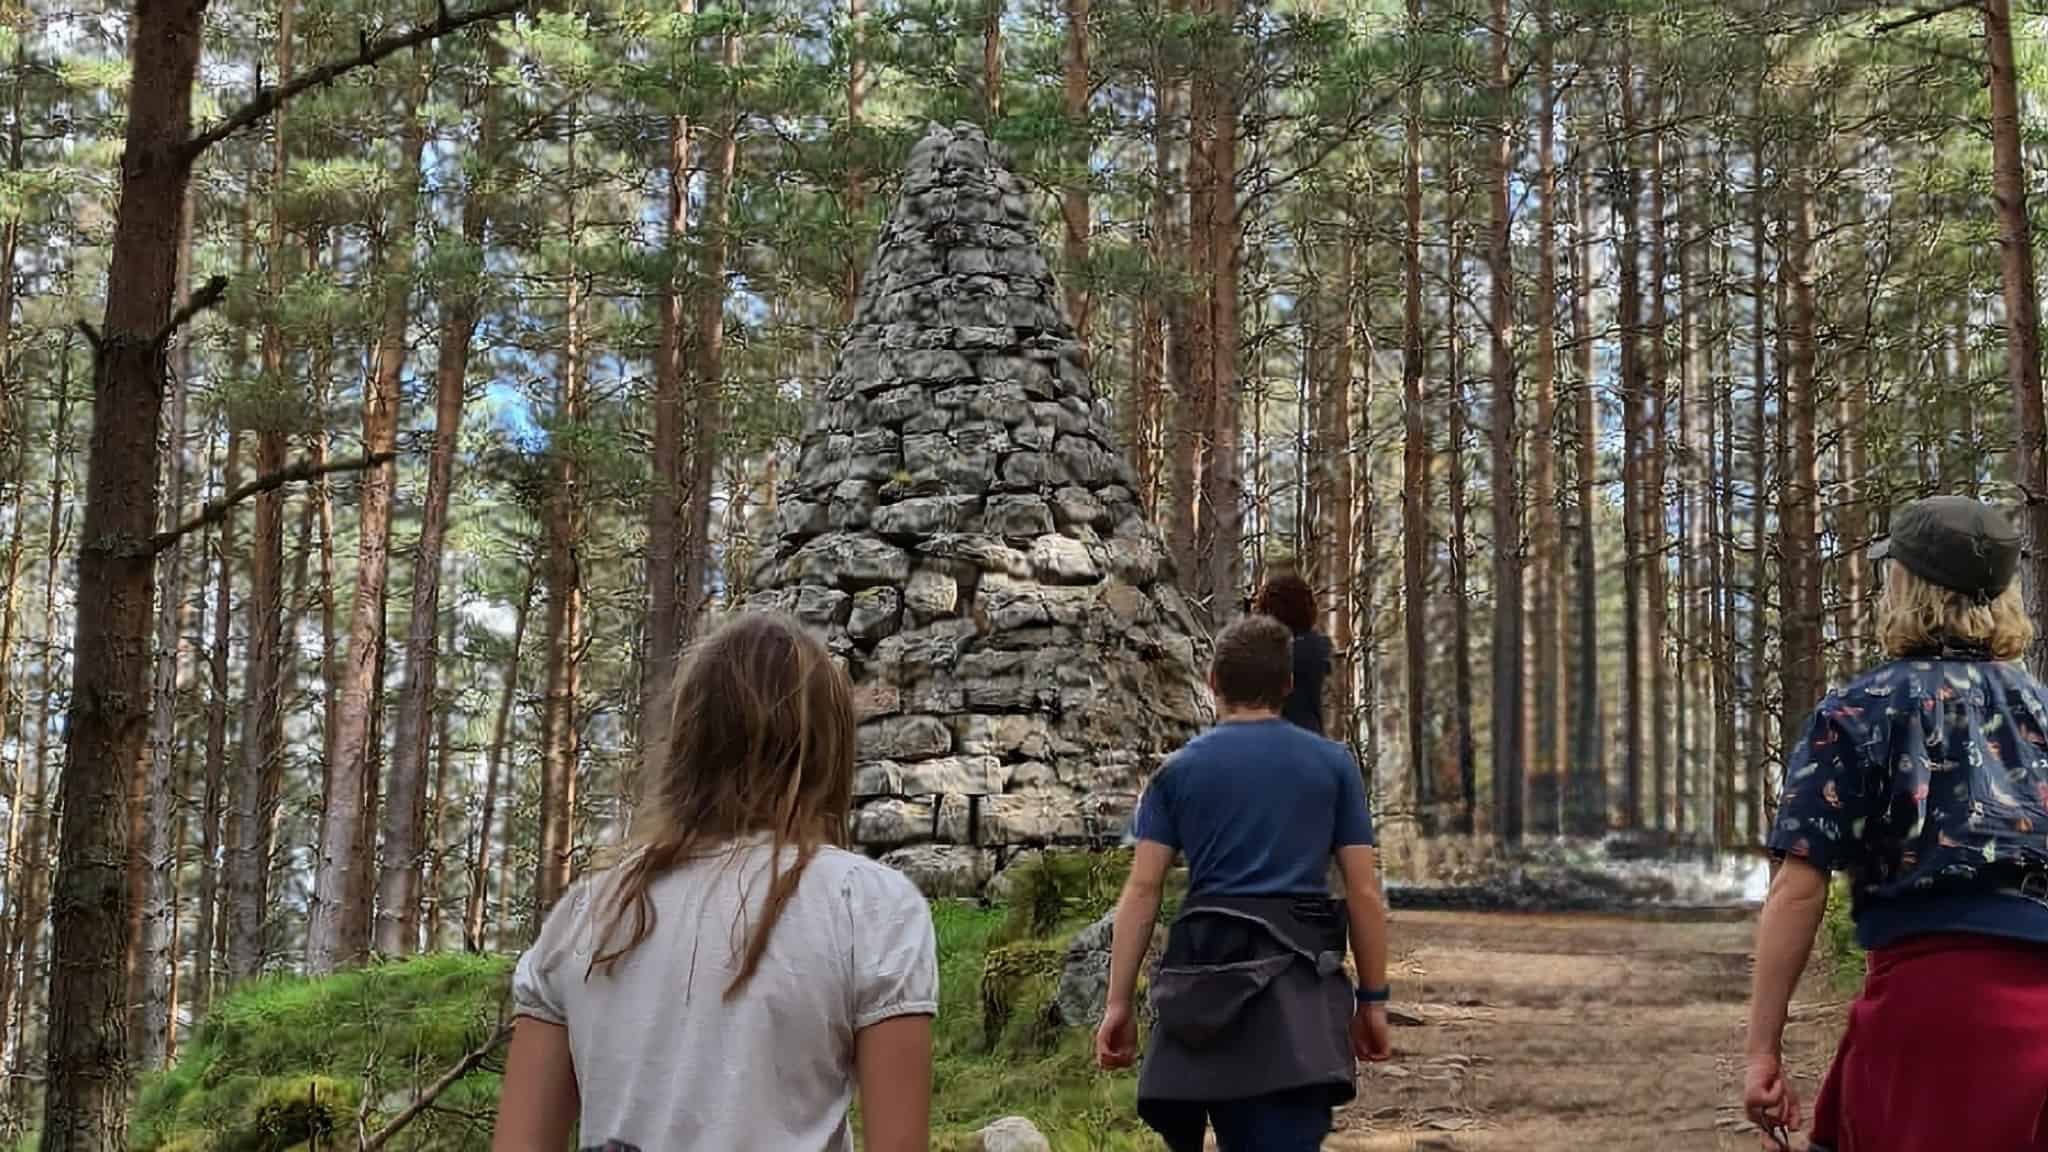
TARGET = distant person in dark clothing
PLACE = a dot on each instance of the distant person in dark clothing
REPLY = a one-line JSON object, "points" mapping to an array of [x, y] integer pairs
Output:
{"points": [[1288, 599]]}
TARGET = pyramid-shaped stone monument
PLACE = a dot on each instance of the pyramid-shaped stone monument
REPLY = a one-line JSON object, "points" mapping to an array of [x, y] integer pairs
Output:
{"points": [[962, 529]]}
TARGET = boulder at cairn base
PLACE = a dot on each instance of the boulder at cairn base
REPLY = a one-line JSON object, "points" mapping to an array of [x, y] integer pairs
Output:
{"points": [[962, 529]]}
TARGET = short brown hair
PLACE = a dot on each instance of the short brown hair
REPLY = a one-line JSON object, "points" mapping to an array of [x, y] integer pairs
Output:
{"points": [[1288, 598], [1254, 663]]}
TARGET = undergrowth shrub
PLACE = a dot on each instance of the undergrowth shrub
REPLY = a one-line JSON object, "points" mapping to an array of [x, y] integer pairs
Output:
{"points": [[1845, 961]]}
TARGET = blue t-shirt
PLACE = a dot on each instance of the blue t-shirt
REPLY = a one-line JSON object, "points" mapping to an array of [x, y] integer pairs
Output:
{"points": [[1927, 781], [1258, 808]]}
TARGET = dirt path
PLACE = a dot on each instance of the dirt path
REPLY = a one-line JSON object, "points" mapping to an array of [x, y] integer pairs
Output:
{"points": [[1571, 1032]]}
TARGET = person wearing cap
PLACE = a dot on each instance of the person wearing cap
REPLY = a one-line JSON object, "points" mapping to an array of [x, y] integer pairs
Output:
{"points": [[1926, 779]]}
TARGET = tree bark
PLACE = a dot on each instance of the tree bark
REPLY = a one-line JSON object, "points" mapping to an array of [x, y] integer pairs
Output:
{"points": [[2022, 317], [1415, 460], [664, 502], [1186, 422], [1586, 807], [1635, 556], [1074, 207], [248, 854], [1460, 547], [855, 199], [84, 1106], [1656, 490], [1759, 498], [430, 903], [991, 62], [32, 872], [1223, 478], [501, 732], [707, 383], [1507, 503], [341, 886], [398, 895], [565, 596], [1548, 757], [159, 938], [1800, 514]]}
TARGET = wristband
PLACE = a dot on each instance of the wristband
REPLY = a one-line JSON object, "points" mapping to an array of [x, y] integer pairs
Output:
{"points": [[1379, 995]]}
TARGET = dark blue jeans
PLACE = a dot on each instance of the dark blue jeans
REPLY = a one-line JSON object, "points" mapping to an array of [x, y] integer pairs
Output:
{"points": [[1282, 1122]]}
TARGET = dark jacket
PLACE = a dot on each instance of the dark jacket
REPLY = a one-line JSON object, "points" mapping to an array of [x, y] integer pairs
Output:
{"points": [[1311, 669], [1251, 998]]}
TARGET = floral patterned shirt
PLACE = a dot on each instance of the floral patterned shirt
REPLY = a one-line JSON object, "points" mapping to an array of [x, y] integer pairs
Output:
{"points": [[1927, 780]]}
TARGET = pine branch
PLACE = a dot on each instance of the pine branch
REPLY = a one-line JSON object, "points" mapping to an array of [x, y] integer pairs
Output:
{"points": [[370, 52], [201, 300], [1923, 16], [217, 510], [425, 1100]]}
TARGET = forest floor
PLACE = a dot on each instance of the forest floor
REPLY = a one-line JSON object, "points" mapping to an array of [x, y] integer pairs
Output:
{"points": [[1551, 1032]]}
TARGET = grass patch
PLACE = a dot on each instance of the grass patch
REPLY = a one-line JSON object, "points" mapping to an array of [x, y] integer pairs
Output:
{"points": [[284, 1061], [288, 1060], [1843, 959]]}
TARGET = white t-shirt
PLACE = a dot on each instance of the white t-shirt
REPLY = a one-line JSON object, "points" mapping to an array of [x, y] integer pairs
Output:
{"points": [[665, 1063]]}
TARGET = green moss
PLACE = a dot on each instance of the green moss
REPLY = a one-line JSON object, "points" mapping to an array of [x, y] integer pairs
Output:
{"points": [[285, 1059], [1062, 891]]}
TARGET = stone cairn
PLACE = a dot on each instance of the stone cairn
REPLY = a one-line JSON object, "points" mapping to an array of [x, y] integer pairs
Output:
{"points": [[962, 530]]}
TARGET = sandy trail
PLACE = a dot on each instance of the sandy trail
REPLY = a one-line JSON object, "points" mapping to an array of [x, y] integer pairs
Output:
{"points": [[1543, 1032]]}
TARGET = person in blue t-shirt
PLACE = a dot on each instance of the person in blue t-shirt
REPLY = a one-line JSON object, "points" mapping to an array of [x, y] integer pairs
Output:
{"points": [[1259, 807], [1288, 598]]}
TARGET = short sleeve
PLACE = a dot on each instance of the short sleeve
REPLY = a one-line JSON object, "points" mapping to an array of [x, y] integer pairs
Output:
{"points": [[895, 955], [1155, 812], [1354, 813], [1821, 801], [540, 977]]}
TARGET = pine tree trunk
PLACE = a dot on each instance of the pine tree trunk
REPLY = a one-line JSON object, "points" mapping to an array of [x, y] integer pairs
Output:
{"points": [[2022, 317], [1074, 209], [398, 895], [1461, 600], [665, 498], [206, 928], [431, 900], [84, 1107], [1149, 372], [1635, 556], [32, 873], [1223, 479], [157, 950], [501, 732], [1548, 757], [855, 199], [565, 593], [1656, 491], [1415, 457], [1186, 424], [707, 383], [1800, 514], [341, 886], [248, 854], [1346, 452], [1586, 807], [1760, 493], [1507, 700], [991, 62]]}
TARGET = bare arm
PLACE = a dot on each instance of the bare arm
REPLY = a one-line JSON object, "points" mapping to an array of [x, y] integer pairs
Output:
{"points": [[1136, 912], [1784, 940], [1367, 912], [539, 1101], [893, 1059]]}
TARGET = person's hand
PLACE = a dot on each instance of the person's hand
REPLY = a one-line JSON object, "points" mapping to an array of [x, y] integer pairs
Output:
{"points": [[1116, 1041], [1372, 1039], [1769, 1098]]}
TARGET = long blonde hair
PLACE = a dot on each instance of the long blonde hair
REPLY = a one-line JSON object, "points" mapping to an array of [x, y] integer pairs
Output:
{"points": [[759, 740], [1917, 617]]}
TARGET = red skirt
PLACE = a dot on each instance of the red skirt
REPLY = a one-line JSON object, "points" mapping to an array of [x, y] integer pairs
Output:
{"points": [[1946, 1051]]}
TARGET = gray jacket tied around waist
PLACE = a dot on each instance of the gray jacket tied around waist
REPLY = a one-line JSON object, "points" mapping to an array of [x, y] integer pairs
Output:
{"points": [[1251, 998]]}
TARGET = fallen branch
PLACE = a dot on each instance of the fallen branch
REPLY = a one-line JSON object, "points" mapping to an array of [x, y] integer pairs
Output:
{"points": [[217, 510], [370, 52], [425, 1100]]}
